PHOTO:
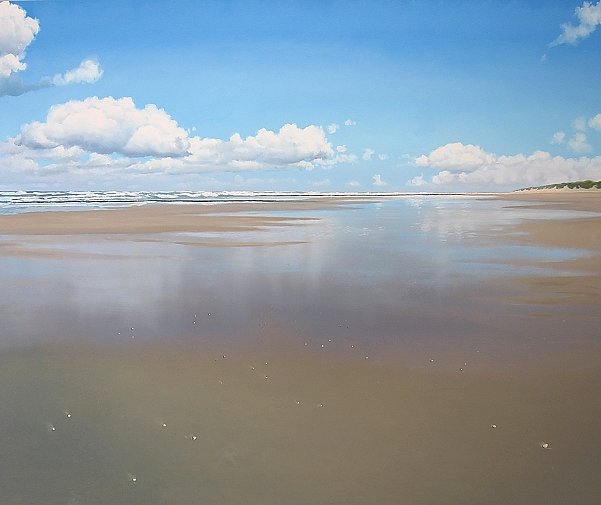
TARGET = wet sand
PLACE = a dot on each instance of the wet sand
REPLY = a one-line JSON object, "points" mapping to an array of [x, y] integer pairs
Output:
{"points": [[583, 285], [381, 375]]}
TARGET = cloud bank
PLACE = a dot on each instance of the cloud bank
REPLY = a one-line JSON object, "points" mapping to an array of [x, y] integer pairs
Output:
{"points": [[113, 136], [589, 17], [470, 165]]}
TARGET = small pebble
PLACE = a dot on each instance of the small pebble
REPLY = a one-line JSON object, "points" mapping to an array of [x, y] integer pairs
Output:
{"points": [[493, 425], [545, 445], [164, 425]]}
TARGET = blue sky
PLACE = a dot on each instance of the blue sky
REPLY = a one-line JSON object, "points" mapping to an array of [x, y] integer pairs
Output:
{"points": [[438, 96]]}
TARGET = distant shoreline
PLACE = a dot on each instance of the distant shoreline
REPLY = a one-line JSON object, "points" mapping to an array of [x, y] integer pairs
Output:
{"points": [[587, 185]]}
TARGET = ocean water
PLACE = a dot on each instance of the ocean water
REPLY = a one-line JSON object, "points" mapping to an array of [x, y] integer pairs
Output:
{"points": [[12, 202], [360, 357]]}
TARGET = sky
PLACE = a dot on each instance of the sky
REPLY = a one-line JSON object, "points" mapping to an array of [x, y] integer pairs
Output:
{"points": [[236, 95]]}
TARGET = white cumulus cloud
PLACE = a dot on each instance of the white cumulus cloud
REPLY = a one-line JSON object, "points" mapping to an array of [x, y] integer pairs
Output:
{"points": [[589, 17], [418, 180], [456, 155], [17, 31], [510, 171], [291, 146], [108, 125], [109, 135], [578, 143], [558, 138], [377, 178], [333, 128], [595, 122], [368, 154], [88, 71], [350, 122], [579, 124]]}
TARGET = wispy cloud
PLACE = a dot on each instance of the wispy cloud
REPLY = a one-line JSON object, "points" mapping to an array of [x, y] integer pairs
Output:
{"points": [[89, 71], [589, 17], [350, 122], [333, 128]]}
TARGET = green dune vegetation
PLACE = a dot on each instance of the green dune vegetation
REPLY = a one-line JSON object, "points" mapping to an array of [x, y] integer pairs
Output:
{"points": [[588, 184]]}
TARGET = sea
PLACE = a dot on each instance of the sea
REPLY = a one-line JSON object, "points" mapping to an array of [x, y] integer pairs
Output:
{"points": [[13, 202]]}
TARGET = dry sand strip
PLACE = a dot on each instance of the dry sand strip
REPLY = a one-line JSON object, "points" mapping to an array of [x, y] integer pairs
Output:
{"points": [[574, 199]]}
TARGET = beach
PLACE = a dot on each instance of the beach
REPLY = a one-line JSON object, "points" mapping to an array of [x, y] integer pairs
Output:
{"points": [[335, 350]]}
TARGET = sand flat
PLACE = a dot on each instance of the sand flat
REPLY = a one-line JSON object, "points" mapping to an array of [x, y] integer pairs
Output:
{"points": [[379, 353]]}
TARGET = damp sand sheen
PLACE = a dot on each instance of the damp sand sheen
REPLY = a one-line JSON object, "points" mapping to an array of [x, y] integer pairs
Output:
{"points": [[390, 350]]}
